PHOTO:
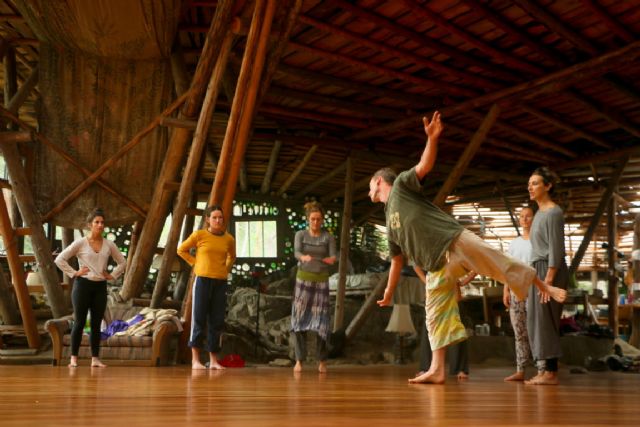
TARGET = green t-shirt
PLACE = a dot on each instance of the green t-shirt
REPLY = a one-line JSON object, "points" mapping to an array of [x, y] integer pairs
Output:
{"points": [[416, 227]]}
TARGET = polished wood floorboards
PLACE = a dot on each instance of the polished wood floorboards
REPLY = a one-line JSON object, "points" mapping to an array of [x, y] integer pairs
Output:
{"points": [[346, 396]]}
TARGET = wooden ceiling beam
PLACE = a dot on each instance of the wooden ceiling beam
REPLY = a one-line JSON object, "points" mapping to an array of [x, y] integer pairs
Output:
{"points": [[363, 88], [524, 152], [423, 11], [367, 110], [605, 157], [563, 124], [553, 23], [292, 177], [306, 115], [464, 57], [429, 64], [515, 32], [552, 82], [535, 139], [609, 21], [426, 83], [607, 113]]}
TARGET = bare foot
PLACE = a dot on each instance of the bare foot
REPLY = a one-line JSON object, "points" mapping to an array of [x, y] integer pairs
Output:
{"points": [[73, 362], [322, 367], [216, 366], [547, 378], [428, 378], [196, 365], [96, 363], [518, 376], [462, 376], [298, 367]]}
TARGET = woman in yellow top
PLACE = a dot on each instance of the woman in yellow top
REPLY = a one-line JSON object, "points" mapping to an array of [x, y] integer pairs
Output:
{"points": [[215, 254]]}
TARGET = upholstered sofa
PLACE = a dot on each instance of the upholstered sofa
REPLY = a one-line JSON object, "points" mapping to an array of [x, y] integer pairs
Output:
{"points": [[155, 349]]}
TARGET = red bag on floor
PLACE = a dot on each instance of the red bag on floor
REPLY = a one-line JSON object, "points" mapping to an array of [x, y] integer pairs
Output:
{"points": [[232, 361]]}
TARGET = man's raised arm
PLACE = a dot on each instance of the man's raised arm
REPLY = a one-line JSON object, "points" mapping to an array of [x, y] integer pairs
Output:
{"points": [[433, 130]]}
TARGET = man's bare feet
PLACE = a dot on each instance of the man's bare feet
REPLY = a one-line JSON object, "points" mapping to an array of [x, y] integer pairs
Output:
{"points": [[428, 378], [73, 362], [298, 366], [216, 366], [196, 365], [462, 376], [546, 378], [322, 367], [518, 376], [96, 363]]}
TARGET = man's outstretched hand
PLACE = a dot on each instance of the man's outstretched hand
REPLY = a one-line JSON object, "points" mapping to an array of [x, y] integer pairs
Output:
{"points": [[433, 128]]}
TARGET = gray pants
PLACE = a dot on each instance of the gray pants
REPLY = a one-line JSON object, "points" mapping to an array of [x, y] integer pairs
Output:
{"points": [[300, 344]]}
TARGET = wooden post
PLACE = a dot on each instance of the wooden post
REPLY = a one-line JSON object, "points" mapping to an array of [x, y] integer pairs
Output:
{"points": [[366, 308], [595, 220], [345, 241], [160, 202], [307, 157], [133, 242], [271, 167], [464, 160], [18, 278], [41, 247], [190, 172], [612, 257]]}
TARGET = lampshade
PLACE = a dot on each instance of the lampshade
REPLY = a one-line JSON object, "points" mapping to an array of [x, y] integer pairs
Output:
{"points": [[33, 279], [400, 320], [157, 262]]}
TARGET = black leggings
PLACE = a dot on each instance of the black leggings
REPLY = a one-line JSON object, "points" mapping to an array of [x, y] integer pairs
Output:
{"points": [[88, 296]]}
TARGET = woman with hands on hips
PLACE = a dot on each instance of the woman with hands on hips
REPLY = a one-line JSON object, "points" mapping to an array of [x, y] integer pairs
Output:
{"points": [[89, 293]]}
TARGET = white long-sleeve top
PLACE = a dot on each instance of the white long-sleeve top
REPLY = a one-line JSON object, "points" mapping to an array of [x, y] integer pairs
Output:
{"points": [[95, 261]]}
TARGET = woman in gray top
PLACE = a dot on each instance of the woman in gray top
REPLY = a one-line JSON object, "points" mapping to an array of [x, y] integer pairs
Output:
{"points": [[315, 250], [547, 257]]}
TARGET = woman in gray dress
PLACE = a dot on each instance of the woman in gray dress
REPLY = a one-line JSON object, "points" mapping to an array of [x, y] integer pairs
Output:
{"points": [[315, 250], [547, 257]]}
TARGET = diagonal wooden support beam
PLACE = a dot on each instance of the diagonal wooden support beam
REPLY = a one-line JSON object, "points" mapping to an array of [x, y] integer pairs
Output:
{"points": [[464, 160], [316, 183], [137, 139], [307, 157], [271, 167], [45, 141], [23, 92], [595, 220]]}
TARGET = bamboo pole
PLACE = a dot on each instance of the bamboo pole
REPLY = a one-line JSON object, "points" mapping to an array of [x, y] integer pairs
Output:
{"points": [[190, 172], [467, 155], [345, 241], [307, 157], [17, 277], [258, 55], [160, 202]]}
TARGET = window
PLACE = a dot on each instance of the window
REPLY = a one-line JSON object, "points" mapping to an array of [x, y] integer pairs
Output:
{"points": [[256, 239]]}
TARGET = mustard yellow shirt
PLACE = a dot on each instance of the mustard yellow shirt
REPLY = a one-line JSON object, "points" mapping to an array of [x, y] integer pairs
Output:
{"points": [[214, 254]]}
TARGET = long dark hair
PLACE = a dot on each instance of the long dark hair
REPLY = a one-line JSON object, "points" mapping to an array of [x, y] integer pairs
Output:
{"points": [[94, 213]]}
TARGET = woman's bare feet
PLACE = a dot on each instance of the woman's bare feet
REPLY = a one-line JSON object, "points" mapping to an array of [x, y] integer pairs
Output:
{"points": [[428, 377], [322, 367], [518, 376], [298, 366], [546, 378], [197, 365], [73, 362], [96, 363], [215, 365]]}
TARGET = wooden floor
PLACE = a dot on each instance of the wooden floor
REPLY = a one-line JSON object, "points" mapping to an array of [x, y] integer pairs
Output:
{"points": [[346, 396]]}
